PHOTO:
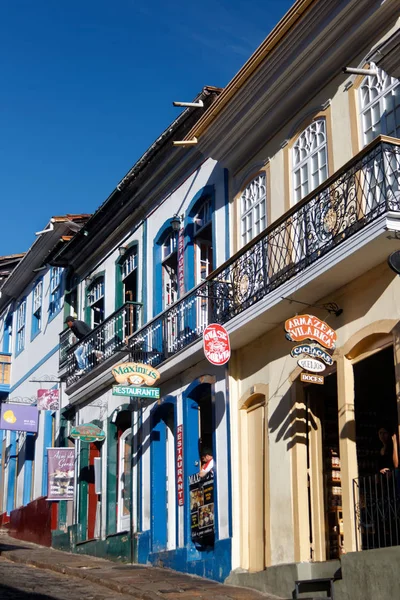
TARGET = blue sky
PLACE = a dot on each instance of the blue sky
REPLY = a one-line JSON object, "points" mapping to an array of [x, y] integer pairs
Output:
{"points": [[86, 87]]}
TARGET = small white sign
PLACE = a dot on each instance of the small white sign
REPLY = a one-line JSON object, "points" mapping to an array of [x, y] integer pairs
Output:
{"points": [[311, 364]]}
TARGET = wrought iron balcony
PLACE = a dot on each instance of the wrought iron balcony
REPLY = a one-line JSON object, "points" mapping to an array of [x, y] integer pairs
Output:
{"points": [[367, 187], [5, 371], [100, 344], [377, 510]]}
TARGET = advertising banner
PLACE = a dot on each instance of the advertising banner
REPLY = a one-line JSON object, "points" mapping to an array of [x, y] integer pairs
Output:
{"points": [[48, 399], [19, 417], [61, 473], [201, 491]]}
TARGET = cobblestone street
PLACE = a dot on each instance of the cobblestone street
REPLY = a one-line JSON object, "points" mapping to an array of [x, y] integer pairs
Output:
{"points": [[31, 572], [20, 582]]}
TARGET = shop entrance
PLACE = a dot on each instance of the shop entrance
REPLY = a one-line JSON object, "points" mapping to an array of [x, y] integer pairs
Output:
{"points": [[323, 470], [377, 488]]}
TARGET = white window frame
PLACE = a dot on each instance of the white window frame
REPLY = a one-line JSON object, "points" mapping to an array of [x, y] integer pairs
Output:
{"points": [[253, 208], [310, 159], [374, 94], [37, 301], [129, 264], [96, 291], [55, 289], [21, 325]]}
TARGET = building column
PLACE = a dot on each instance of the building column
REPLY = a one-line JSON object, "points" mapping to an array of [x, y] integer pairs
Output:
{"points": [[396, 353], [347, 445]]}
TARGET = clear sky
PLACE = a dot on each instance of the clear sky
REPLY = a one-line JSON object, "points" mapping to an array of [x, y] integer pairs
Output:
{"points": [[87, 85]]}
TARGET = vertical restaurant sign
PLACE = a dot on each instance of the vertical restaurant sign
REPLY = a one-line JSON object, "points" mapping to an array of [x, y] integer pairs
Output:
{"points": [[48, 399], [19, 417], [202, 508], [179, 465], [181, 262], [60, 473], [308, 327], [216, 344]]}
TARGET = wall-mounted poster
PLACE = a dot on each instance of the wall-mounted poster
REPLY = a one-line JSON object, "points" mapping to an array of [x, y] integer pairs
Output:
{"points": [[202, 508], [61, 473], [19, 417], [48, 399]]}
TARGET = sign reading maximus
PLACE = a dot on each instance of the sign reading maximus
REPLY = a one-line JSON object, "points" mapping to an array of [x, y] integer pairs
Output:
{"points": [[135, 374], [308, 327]]}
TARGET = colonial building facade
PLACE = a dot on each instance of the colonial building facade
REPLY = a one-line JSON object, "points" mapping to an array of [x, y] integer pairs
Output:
{"points": [[283, 201]]}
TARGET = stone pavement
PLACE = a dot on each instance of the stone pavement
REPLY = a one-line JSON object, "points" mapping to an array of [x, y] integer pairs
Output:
{"points": [[141, 582]]}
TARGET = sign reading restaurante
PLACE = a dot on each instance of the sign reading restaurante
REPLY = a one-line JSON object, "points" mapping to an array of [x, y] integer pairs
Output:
{"points": [[308, 327]]}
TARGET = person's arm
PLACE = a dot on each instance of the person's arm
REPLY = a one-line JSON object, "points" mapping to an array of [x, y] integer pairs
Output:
{"points": [[395, 452]]}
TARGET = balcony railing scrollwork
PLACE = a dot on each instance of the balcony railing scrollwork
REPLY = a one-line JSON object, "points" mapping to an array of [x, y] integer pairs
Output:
{"points": [[365, 188]]}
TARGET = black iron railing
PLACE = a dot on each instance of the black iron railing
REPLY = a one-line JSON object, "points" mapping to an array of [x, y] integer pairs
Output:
{"points": [[103, 342], [377, 510], [364, 189], [67, 339]]}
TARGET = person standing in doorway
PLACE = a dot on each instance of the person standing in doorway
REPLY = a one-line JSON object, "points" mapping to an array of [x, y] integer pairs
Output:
{"points": [[389, 455], [207, 461]]}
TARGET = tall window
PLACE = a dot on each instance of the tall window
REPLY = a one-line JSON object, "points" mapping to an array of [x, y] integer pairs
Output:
{"points": [[37, 298], [55, 290], [170, 269], [95, 297], [310, 166], [380, 105], [203, 241], [129, 276], [21, 318], [253, 209]]}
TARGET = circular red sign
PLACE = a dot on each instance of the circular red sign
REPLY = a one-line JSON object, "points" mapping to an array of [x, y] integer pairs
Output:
{"points": [[216, 344]]}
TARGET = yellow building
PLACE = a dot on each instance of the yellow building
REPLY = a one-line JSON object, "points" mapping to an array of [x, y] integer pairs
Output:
{"points": [[309, 131]]}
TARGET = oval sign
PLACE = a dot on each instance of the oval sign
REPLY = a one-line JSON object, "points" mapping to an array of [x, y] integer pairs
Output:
{"points": [[88, 432], [311, 364], [216, 344]]}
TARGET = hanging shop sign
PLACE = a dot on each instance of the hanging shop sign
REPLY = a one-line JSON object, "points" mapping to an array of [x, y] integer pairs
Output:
{"points": [[313, 350], [311, 364], [179, 466], [201, 490], [136, 374], [308, 327], [310, 378], [88, 432], [19, 417], [216, 344], [48, 399], [181, 262], [61, 473], [139, 392]]}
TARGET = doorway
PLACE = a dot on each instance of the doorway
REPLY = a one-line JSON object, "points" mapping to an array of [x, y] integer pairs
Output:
{"points": [[93, 497]]}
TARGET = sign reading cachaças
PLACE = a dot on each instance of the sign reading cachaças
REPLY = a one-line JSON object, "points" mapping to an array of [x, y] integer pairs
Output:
{"points": [[308, 327], [135, 374]]}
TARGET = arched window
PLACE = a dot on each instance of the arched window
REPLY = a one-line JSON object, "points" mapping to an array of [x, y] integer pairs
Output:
{"points": [[380, 105], [253, 209], [169, 259], [129, 266], [310, 160]]}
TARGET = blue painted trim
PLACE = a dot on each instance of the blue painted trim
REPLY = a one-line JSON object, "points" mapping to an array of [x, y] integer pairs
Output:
{"points": [[28, 470], [52, 315], [7, 328], [144, 275], [160, 236], [36, 332], [227, 230], [208, 191], [12, 470], [47, 443], [39, 364]]}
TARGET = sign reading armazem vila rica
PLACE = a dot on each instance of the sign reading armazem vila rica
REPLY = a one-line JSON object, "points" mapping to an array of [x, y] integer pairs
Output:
{"points": [[308, 327], [135, 374], [216, 344]]}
